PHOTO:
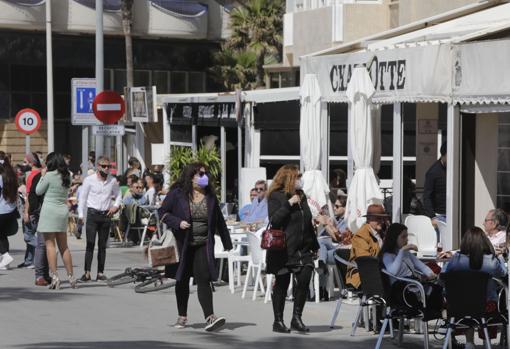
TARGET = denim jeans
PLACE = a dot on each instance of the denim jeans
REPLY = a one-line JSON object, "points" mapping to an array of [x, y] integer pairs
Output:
{"points": [[326, 255], [30, 240], [40, 259]]}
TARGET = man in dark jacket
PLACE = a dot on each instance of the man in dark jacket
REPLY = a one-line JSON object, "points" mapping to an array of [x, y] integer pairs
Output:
{"points": [[434, 193]]}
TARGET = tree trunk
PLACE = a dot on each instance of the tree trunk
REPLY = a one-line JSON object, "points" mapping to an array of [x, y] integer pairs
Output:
{"points": [[261, 56], [127, 20]]}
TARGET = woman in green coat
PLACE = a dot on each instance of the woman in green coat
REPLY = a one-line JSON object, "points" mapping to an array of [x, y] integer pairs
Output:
{"points": [[54, 185]]}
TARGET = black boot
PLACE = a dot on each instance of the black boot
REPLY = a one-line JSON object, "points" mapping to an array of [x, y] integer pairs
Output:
{"points": [[278, 306], [299, 303]]}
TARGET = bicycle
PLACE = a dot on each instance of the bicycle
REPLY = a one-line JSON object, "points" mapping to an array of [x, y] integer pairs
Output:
{"points": [[149, 279]]}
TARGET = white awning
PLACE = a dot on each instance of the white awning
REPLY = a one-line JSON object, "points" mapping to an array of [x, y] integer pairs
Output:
{"points": [[271, 95], [256, 96], [420, 74], [469, 27]]}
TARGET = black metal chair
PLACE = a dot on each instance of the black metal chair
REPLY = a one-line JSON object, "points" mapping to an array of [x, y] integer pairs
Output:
{"points": [[466, 295], [342, 261], [376, 288]]}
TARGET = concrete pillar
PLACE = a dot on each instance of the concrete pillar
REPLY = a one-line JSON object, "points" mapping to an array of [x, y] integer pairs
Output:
{"points": [[486, 183], [453, 178], [427, 115]]}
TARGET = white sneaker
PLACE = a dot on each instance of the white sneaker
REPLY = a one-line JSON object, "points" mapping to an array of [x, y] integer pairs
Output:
{"points": [[6, 260]]}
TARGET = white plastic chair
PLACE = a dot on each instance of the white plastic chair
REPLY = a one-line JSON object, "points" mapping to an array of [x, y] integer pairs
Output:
{"points": [[220, 253], [255, 265], [235, 259], [422, 233], [443, 232]]}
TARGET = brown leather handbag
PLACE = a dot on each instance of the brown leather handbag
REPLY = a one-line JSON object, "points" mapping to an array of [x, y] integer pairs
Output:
{"points": [[273, 239]]}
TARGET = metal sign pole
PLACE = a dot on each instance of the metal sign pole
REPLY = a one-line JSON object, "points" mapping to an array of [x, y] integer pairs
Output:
{"points": [[84, 151], [27, 144]]}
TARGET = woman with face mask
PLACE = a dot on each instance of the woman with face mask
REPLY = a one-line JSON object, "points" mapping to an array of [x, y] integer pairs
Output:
{"points": [[288, 210], [192, 211]]}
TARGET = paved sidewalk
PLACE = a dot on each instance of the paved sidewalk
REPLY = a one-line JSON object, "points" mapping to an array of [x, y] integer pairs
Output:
{"points": [[95, 316]]}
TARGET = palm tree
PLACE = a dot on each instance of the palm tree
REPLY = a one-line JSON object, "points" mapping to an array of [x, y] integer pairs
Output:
{"points": [[234, 69], [258, 26]]}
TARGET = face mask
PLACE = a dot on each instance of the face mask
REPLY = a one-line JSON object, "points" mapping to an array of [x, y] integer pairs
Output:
{"points": [[203, 181], [299, 184], [137, 196]]}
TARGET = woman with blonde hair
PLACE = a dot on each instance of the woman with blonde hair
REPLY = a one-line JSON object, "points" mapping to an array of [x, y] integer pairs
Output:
{"points": [[289, 211]]}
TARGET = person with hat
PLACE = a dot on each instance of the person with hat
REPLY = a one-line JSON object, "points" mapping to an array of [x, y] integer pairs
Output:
{"points": [[367, 241]]}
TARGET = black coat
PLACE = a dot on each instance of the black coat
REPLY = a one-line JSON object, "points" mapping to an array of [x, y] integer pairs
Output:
{"points": [[296, 222], [434, 189], [177, 209]]}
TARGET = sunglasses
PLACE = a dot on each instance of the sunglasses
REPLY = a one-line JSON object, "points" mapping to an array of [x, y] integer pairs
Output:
{"points": [[338, 206], [300, 175], [201, 173], [105, 166], [137, 187], [259, 189]]}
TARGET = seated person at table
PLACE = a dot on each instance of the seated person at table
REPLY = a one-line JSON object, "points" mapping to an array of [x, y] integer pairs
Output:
{"points": [[334, 232], [245, 210], [258, 210], [398, 260], [477, 254], [367, 241], [495, 224], [135, 195]]}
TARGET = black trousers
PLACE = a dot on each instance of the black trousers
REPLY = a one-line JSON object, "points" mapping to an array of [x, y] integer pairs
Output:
{"points": [[98, 224], [4, 244], [196, 266], [8, 227], [281, 285]]}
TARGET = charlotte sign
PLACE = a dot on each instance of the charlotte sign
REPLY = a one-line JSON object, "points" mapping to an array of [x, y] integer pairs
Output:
{"points": [[399, 75]]}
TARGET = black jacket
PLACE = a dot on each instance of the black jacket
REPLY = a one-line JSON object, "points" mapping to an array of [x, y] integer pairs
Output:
{"points": [[35, 201], [434, 191], [296, 222], [175, 208]]}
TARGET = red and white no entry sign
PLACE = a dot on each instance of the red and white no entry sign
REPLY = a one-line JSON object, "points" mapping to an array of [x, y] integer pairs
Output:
{"points": [[28, 121], [108, 107]]}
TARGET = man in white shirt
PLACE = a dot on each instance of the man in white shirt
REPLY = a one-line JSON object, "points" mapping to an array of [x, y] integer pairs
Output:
{"points": [[95, 201], [495, 227]]}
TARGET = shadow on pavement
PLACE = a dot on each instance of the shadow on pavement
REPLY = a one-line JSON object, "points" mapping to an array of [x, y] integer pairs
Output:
{"points": [[104, 345], [228, 325], [12, 294]]}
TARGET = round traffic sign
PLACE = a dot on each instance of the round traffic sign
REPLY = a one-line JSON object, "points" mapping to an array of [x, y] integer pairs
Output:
{"points": [[28, 121], [108, 107]]}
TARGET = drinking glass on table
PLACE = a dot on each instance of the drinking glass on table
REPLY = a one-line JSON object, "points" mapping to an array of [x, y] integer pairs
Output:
{"points": [[231, 219]]}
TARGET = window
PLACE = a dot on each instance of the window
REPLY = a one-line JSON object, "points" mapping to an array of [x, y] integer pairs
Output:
{"points": [[178, 83], [503, 173]]}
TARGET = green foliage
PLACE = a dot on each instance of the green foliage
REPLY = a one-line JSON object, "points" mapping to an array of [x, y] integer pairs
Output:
{"points": [[256, 39], [182, 156]]}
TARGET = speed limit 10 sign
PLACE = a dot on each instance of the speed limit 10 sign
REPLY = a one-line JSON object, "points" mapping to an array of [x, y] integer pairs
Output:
{"points": [[28, 121]]}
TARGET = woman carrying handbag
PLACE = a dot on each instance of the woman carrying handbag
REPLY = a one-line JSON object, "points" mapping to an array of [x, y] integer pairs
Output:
{"points": [[288, 211], [192, 211]]}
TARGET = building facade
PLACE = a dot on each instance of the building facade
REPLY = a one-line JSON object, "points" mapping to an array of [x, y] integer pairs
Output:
{"points": [[173, 43]]}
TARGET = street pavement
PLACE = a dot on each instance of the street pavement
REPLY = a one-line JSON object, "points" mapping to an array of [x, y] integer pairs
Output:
{"points": [[95, 316]]}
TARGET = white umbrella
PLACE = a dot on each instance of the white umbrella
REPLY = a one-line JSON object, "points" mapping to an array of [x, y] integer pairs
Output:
{"points": [[315, 185], [363, 189]]}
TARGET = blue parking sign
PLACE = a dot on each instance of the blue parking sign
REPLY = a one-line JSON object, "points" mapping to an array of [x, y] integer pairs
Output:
{"points": [[84, 99], [83, 92]]}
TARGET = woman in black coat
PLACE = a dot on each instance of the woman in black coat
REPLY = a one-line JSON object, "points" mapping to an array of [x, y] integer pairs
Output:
{"points": [[289, 211], [192, 211]]}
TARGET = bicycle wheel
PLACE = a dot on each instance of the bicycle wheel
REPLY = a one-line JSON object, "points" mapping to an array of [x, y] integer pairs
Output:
{"points": [[153, 285], [121, 279]]}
